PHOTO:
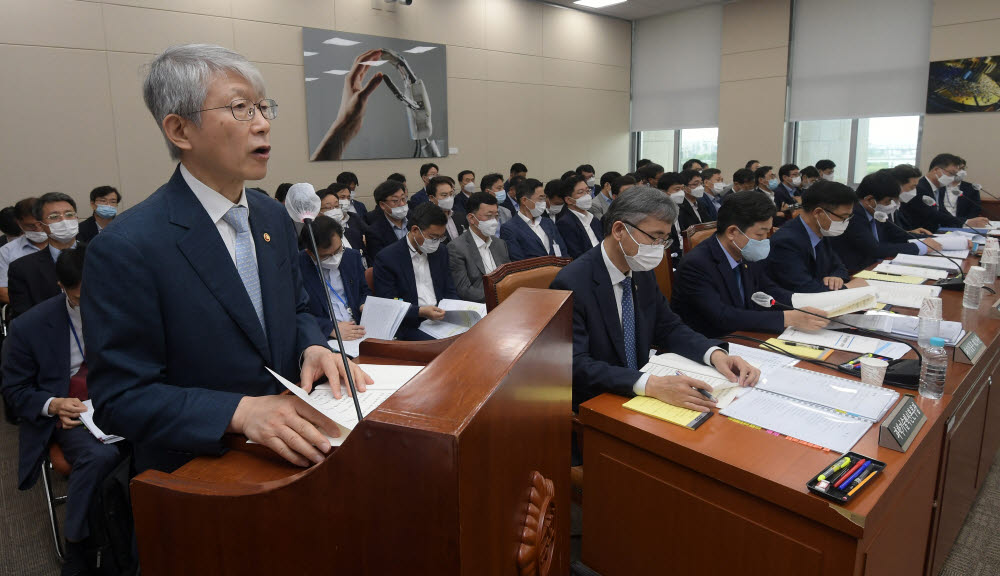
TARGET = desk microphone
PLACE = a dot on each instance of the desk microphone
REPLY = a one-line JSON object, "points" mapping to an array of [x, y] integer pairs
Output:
{"points": [[901, 373], [303, 205], [956, 283]]}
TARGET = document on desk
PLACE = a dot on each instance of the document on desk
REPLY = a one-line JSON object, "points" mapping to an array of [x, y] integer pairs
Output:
{"points": [[386, 379], [956, 254], [762, 359], [838, 302], [382, 317], [840, 394], [905, 295], [899, 269], [670, 364], [351, 347], [952, 242], [926, 262], [459, 316], [832, 339], [88, 421]]}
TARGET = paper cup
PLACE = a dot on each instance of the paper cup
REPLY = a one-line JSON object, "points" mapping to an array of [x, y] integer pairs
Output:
{"points": [[931, 308], [976, 276], [873, 371]]}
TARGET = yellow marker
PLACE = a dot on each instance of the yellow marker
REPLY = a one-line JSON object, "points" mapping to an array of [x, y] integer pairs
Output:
{"points": [[837, 466]]}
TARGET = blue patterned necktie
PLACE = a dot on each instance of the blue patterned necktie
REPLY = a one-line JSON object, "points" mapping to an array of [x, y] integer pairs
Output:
{"points": [[246, 260], [628, 323]]}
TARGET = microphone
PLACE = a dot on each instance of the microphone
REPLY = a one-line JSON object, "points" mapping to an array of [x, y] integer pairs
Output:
{"points": [[901, 373], [302, 204], [956, 283]]}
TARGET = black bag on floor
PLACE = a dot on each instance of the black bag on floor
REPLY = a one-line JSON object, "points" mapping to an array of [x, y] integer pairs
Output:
{"points": [[110, 548]]}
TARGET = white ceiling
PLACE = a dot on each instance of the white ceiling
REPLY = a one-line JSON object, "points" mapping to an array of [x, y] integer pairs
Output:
{"points": [[637, 9]]}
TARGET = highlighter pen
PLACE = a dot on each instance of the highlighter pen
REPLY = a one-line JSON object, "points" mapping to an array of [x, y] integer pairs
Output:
{"points": [[836, 466]]}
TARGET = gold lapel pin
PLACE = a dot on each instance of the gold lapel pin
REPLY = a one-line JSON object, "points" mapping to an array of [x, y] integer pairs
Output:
{"points": [[267, 237]]}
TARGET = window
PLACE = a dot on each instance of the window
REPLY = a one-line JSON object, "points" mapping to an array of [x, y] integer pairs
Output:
{"points": [[671, 148], [658, 146], [700, 143], [858, 147]]}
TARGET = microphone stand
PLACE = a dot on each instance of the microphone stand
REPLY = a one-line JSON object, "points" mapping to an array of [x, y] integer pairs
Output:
{"points": [[336, 328]]}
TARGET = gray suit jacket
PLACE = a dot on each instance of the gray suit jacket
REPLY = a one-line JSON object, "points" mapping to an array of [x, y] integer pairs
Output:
{"points": [[467, 265], [600, 205]]}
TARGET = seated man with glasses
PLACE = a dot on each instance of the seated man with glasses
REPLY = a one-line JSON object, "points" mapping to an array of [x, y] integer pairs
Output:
{"points": [[389, 222], [801, 259], [104, 201], [415, 270], [32, 240], [343, 278], [32, 279], [619, 313]]}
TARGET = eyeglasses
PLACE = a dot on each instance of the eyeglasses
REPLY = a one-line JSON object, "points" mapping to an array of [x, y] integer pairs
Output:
{"points": [[57, 217], [661, 242], [243, 109], [842, 218]]}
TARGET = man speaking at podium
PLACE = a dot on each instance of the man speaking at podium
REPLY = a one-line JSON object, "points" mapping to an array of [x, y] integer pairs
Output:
{"points": [[196, 290]]}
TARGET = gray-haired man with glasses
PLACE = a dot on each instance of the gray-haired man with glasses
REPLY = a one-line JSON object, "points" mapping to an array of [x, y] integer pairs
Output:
{"points": [[619, 313], [215, 295], [32, 279]]}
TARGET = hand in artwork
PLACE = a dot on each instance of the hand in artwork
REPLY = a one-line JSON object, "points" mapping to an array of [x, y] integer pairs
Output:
{"points": [[353, 103]]}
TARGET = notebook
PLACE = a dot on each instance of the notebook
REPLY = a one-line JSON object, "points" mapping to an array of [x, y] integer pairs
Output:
{"points": [[649, 406], [926, 273], [926, 262], [837, 303], [890, 277]]}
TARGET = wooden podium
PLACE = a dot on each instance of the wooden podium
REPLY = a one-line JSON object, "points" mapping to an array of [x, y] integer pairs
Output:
{"points": [[465, 470]]}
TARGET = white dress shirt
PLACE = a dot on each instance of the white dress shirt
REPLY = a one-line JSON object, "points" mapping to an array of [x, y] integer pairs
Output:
{"points": [[586, 217], [694, 206], [217, 206], [338, 295], [951, 200], [75, 353], [489, 264], [11, 251], [422, 275], [536, 226], [616, 286]]}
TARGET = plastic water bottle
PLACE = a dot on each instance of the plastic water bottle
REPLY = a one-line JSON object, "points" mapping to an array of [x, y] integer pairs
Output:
{"points": [[933, 369], [927, 328]]}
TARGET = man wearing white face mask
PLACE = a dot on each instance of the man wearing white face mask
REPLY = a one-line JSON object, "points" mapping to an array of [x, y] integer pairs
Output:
{"points": [[825, 168], [802, 259], [587, 173], [787, 191], [465, 188], [33, 240], [866, 239], [711, 179], [415, 270], [530, 234], [580, 229], [388, 224], [32, 278], [619, 313], [336, 204], [942, 173], [477, 251], [343, 278], [441, 192], [691, 209], [603, 197]]}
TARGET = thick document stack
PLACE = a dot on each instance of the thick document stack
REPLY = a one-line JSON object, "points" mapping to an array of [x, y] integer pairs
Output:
{"points": [[824, 410], [905, 295], [839, 302], [935, 262]]}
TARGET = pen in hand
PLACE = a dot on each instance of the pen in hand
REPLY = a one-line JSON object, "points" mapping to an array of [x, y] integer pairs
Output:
{"points": [[701, 391]]}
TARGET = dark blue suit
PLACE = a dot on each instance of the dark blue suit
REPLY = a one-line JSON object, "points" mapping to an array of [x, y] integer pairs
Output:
{"points": [[36, 362], [792, 264], [707, 296], [858, 248], [523, 243], [599, 363], [573, 233], [967, 205], [916, 214], [175, 343], [686, 216], [380, 235], [356, 232], [509, 204], [394, 278], [709, 208], [361, 209], [419, 198], [461, 200], [785, 194], [352, 273]]}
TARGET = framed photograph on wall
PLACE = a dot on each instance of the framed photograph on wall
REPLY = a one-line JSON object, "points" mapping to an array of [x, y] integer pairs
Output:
{"points": [[966, 85]]}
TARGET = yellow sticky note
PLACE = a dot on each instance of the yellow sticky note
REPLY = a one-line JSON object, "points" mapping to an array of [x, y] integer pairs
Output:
{"points": [[872, 275], [668, 412], [800, 351]]}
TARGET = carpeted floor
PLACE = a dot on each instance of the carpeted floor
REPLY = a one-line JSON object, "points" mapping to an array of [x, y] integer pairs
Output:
{"points": [[26, 546]]}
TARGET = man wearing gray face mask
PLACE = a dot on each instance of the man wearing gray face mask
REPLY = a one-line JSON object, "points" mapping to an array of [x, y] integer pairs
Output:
{"points": [[33, 240], [32, 278], [619, 313]]}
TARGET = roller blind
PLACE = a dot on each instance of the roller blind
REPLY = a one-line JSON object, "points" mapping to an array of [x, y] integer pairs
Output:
{"points": [[676, 65], [859, 58]]}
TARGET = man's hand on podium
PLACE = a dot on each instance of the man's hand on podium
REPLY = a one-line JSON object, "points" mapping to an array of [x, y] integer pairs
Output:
{"points": [[293, 429], [318, 361]]}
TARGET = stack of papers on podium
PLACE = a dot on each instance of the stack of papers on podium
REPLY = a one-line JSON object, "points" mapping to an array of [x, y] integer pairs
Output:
{"points": [[88, 421], [926, 262], [459, 316], [839, 302], [905, 295], [926, 273]]}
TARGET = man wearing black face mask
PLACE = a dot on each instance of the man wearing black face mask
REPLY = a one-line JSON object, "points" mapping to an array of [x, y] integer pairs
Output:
{"points": [[619, 313]]}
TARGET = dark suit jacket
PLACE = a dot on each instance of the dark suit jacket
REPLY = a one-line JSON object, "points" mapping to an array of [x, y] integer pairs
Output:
{"points": [[523, 243], [352, 273], [792, 264], [394, 278], [574, 235], [380, 235], [361, 210], [36, 368], [708, 299], [916, 214], [467, 267], [419, 198], [88, 230], [686, 216], [509, 204], [858, 248], [31, 280], [356, 232], [460, 202], [599, 363], [705, 203], [785, 194], [174, 342], [968, 204]]}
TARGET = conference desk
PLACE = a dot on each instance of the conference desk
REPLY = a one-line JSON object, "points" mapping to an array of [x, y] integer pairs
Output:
{"points": [[729, 499]]}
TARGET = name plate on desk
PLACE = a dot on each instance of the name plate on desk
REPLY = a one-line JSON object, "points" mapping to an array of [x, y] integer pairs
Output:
{"points": [[969, 349], [901, 426]]}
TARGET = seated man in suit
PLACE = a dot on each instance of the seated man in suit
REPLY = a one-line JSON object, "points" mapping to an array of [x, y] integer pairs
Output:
{"points": [[691, 210], [941, 174], [343, 277], [466, 188], [867, 240], [675, 187], [215, 294], [350, 180], [802, 259], [32, 278], [579, 228], [825, 168], [477, 251], [650, 174], [620, 185], [809, 176], [389, 221], [413, 269], [907, 176], [788, 190], [554, 200], [45, 383], [530, 234], [960, 198], [619, 313], [767, 182], [427, 172], [493, 184], [336, 204], [441, 193], [104, 201], [711, 179], [32, 239], [743, 180], [603, 197], [715, 281]]}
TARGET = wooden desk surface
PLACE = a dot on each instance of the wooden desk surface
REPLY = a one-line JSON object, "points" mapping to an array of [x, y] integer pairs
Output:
{"points": [[776, 469]]}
